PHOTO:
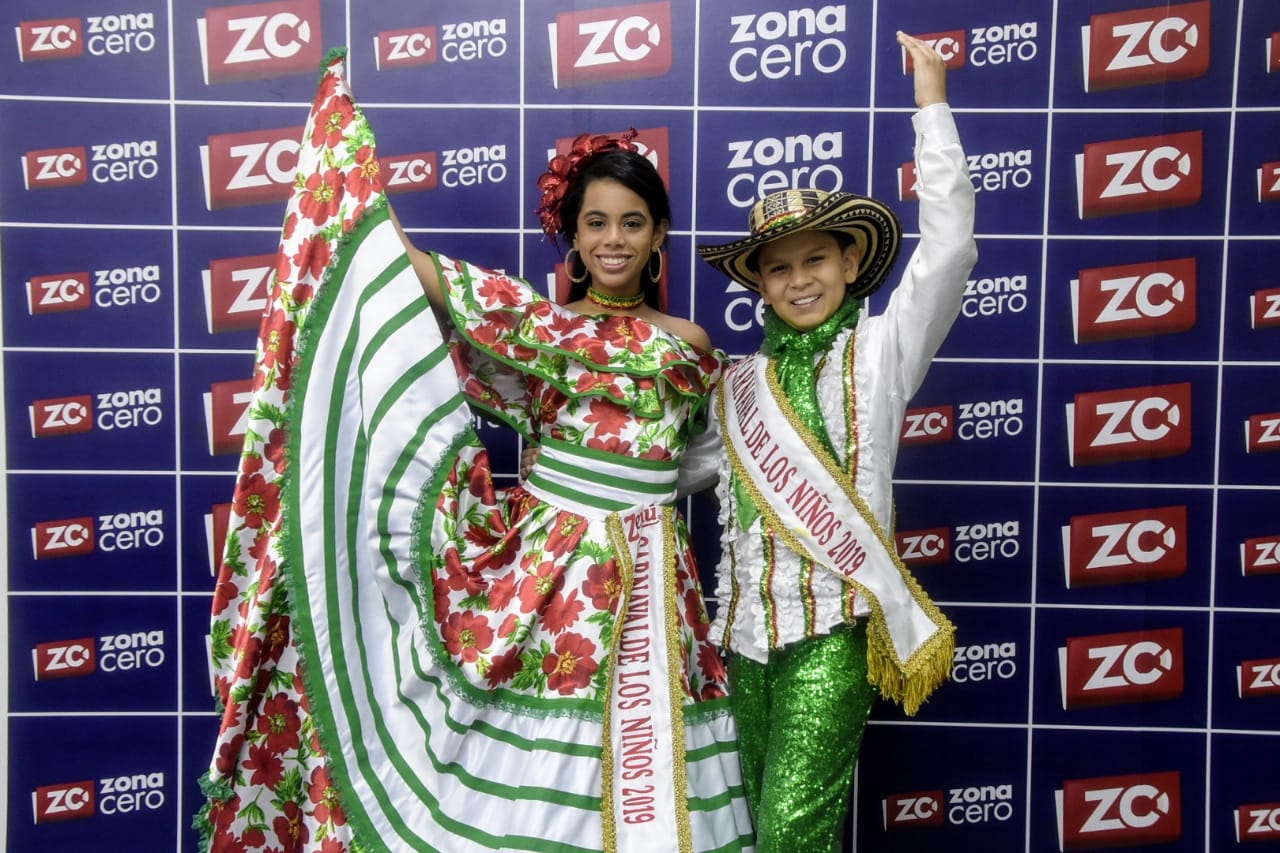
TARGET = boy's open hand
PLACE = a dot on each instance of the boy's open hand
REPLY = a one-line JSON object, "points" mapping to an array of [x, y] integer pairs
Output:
{"points": [[930, 71]]}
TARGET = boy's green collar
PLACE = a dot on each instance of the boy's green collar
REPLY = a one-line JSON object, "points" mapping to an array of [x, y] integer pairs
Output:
{"points": [[780, 338], [792, 352]]}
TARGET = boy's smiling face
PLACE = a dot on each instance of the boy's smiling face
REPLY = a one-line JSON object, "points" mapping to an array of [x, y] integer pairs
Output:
{"points": [[803, 276]]}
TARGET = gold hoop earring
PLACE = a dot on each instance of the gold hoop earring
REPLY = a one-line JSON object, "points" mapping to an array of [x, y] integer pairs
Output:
{"points": [[568, 267], [654, 277]]}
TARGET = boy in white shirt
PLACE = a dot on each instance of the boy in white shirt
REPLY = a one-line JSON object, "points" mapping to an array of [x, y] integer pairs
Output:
{"points": [[816, 610]]}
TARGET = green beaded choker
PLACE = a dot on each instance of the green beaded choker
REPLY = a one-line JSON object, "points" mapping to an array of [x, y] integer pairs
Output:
{"points": [[604, 300]]}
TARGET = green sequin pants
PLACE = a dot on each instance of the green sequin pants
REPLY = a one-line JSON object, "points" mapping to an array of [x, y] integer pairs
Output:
{"points": [[800, 722]]}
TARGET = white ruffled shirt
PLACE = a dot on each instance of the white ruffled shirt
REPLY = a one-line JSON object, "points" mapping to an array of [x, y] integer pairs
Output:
{"points": [[768, 596]]}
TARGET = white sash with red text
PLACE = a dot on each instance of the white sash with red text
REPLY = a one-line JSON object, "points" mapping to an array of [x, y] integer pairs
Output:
{"points": [[645, 804], [809, 502]]}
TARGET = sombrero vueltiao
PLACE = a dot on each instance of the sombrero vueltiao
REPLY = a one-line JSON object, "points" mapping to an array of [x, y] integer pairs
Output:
{"points": [[873, 226]]}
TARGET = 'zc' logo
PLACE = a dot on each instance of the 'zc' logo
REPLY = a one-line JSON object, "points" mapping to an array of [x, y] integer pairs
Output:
{"points": [[1258, 822], [65, 658], [924, 547], [1260, 555], [235, 292], [1269, 182], [1150, 422], [227, 410], [612, 43], [53, 294], [1134, 300], [402, 173], [252, 167], [400, 48], [66, 537], [1110, 669], [1258, 678], [1264, 309], [1126, 547], [1119, 811], [932, 425], [1141, 174], [260, 40], [68, 801], [62, 38], [55, 167], [906, 811], [1146, 46], [61, 416], [1262, 433]]}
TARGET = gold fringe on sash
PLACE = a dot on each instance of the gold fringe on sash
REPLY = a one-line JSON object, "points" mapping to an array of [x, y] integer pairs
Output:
{"points": [[909, 683]]}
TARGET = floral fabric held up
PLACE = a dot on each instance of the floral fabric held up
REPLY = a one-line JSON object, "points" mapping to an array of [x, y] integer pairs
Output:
{"points": [[410, 657]]}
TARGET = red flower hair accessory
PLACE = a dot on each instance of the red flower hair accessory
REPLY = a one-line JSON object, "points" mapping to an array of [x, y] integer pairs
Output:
{"points": [[564, 169]]}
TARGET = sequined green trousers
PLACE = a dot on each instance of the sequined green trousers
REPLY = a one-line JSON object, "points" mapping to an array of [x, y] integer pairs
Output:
{"points": [[800, 722]]}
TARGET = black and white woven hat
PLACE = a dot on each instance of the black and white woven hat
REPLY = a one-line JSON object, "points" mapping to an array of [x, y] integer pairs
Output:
{"points": [[874, 228]]}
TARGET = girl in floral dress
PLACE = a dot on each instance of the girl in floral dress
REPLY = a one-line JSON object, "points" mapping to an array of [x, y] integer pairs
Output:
{"points": [[410, 658]]}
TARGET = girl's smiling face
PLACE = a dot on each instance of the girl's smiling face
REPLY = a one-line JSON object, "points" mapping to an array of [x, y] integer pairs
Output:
{"points": [[616, 234]]}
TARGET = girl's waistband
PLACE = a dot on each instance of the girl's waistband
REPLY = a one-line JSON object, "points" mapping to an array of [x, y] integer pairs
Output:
{"points": [[594, 483]]}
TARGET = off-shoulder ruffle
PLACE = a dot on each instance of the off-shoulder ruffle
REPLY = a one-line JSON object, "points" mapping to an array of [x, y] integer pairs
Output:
{"points": [[619, 357]]}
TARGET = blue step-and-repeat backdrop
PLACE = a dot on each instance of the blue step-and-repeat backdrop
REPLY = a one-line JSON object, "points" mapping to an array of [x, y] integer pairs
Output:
{"points": [[1089, 479]]}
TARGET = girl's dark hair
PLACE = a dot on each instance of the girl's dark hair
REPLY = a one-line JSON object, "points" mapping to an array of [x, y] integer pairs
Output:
{"points": [[634, 171]]}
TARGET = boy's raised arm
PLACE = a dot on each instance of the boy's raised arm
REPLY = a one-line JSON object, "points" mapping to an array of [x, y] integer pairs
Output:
{"points": [[929, 294]]}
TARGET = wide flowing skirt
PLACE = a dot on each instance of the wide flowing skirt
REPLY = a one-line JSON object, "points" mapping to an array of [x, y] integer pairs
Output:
{"points": [[355, 717]]}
